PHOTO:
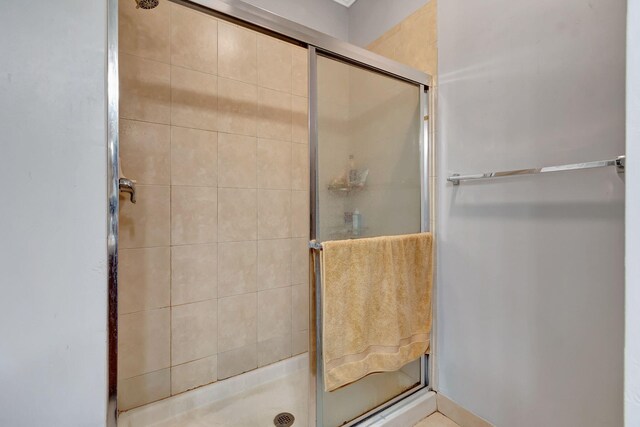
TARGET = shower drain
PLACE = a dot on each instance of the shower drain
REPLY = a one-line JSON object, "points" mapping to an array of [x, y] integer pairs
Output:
{"points": [[284, 419]]}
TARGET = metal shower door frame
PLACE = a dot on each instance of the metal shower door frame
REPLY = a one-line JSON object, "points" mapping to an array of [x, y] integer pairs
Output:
{"points": [[427, 187], [261, 20]]}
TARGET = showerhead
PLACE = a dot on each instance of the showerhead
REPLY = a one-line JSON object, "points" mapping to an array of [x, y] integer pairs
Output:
{"points": [[147, 4]]}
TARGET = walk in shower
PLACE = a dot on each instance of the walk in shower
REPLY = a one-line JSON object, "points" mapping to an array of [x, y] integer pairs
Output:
{"points": [[240, 137]]}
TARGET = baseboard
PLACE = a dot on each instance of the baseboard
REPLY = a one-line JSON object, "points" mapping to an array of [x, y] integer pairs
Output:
{"points": [[458, 414]]}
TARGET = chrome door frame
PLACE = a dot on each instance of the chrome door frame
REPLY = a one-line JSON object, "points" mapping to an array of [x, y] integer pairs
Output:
{"points": [[248, 15], [427, 186], [113, 206]]}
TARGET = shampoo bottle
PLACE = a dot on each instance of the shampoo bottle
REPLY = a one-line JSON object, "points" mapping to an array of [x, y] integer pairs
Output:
{"points": [[357, 222]]}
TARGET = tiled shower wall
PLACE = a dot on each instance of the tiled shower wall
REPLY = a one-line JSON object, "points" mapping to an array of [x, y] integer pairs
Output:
{"points": [[213, 277], [414, 41]]}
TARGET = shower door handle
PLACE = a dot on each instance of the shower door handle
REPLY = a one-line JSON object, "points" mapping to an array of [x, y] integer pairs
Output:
{"points": [[128, 186]]}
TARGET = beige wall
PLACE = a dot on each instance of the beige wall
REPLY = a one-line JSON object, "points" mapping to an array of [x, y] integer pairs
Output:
{"points": [[213, 258], [413, 41]]}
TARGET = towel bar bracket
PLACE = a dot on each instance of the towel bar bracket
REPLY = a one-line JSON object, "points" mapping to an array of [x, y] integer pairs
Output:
{"points": [[315, 245], [620, 163]]}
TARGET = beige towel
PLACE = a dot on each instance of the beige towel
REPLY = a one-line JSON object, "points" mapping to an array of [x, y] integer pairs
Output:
{"points": [[376, 305]]}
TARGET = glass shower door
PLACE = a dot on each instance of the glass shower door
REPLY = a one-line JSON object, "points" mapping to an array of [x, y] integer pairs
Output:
{"points": [[368, 183]]}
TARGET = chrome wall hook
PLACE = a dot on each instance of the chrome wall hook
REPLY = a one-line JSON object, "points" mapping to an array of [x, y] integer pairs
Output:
{"points": [[128, 186]]}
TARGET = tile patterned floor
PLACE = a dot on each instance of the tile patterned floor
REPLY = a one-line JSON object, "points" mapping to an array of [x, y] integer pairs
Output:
{"points": [[436, 420]]}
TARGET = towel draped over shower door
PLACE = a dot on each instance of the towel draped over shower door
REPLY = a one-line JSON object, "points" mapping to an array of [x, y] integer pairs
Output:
{"points": [[376, 305]]}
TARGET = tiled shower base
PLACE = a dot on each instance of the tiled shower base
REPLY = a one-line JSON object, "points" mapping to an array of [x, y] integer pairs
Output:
{"points": [[252, 399]]}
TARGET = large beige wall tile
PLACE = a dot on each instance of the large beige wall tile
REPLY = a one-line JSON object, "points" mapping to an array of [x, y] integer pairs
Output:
{"points": [[194, 271], [274, 263], [145, 152], [194, 329], [144, 33], [143, 389], [299, 120], [274, 164], [237, 268], [236, 161], [299, 261], [143, 342], [299, 342], [237, 361], [237, 322], [194, 374], [194, 39], [194, 212], [300, 217], [299, 167], [237, 53], [300, 307], [274, 114], [274, 214], [194, 157], [386, 45], [299, 71], [237, 107], [194, 100], [274, 350], [145, 223], [274, 313], [274, 63], [237, 214], [413, 41], [145, 91], [144, 279], [422, 22]]}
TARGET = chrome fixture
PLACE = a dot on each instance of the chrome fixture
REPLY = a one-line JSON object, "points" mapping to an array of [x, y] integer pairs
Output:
{"points": [[618, 162], [128, 186], [146, 4], [315, 245]]}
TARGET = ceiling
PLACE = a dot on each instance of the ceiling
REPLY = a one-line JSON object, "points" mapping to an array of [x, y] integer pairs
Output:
{"points": [[346, 3]]}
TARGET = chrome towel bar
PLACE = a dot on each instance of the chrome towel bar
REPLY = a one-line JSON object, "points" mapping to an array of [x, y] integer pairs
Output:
{"points": [[618, 162]]}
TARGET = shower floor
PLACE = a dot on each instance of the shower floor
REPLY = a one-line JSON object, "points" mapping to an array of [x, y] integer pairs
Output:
{"points": [[252, 399]]}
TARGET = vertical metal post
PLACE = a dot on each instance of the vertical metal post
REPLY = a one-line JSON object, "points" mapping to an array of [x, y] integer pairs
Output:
{"points": [[424, 196], [433, 195], [315, 294], [113, 89]]}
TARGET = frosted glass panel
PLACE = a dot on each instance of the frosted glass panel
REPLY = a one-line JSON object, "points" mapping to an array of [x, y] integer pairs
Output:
{"points": [[368, 185], [368, 153]]}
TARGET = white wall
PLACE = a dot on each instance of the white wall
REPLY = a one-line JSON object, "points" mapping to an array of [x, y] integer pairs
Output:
{"points": [[369, 19], [531, 282], [632, 323], [53, 213], [326, 16]]}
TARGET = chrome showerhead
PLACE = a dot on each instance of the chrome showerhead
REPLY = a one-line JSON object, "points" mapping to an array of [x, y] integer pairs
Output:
{"points": [[147, 4]]}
